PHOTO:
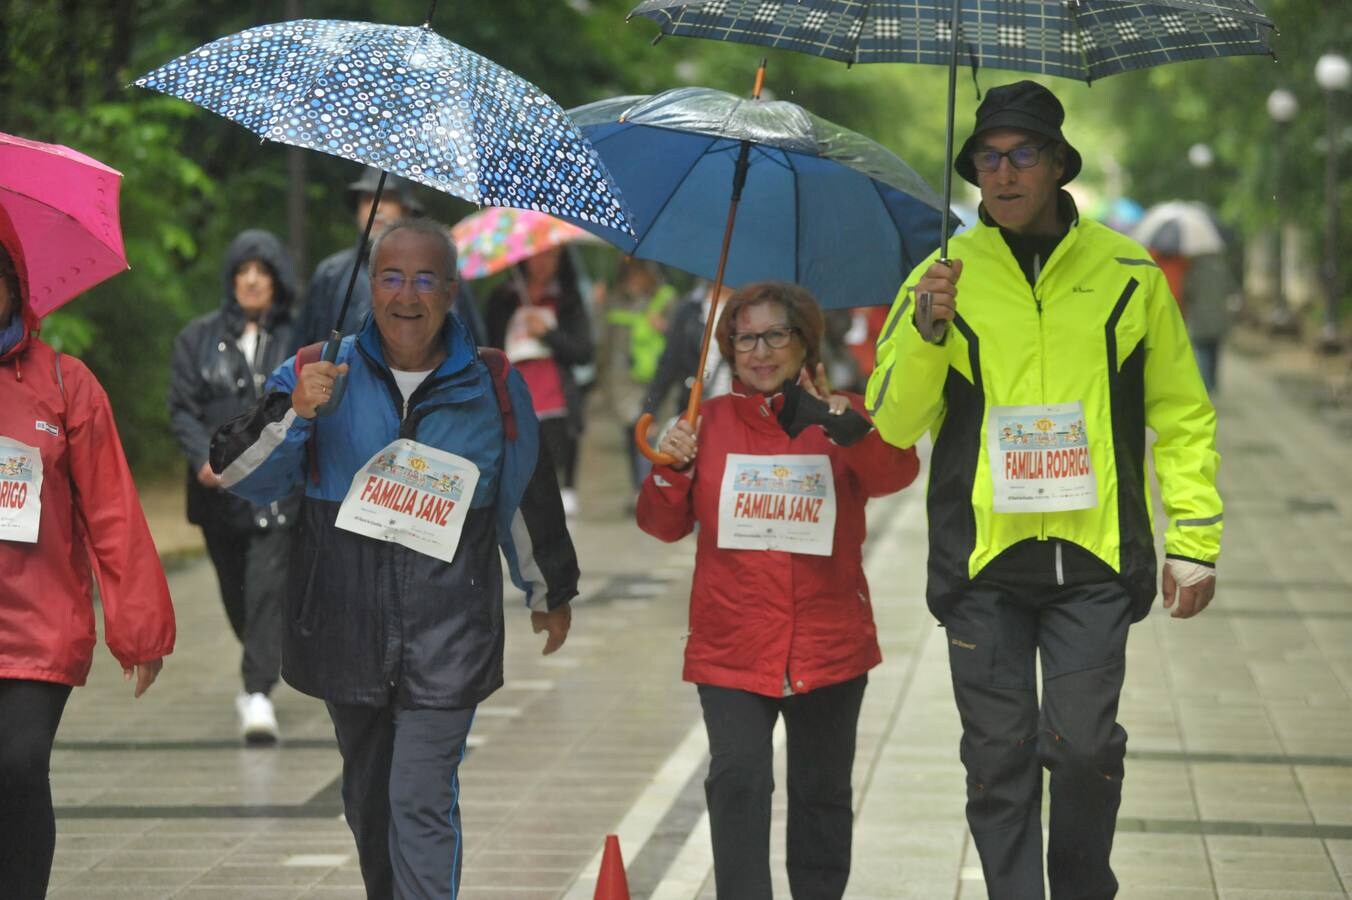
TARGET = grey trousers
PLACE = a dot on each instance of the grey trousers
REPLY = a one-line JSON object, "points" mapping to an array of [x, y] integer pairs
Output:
{"points": [[251, 571], [995, 633], [401, 796]]}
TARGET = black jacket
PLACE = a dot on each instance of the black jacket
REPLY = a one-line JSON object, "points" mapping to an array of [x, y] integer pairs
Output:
{"points": [[211, 382]]}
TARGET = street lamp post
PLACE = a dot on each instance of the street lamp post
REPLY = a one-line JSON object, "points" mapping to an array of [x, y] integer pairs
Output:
{"points": [[1334, 74], [1282, 108]]}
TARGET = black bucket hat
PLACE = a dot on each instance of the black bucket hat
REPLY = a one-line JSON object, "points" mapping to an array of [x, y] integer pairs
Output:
{"points": [[395, 186], [1027, 106]]}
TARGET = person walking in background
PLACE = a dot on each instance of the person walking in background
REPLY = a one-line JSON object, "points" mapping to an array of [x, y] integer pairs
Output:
{"points": [[538, 319], [219, 364], [680, 353], [71, 507], [398, 627], [781, 620], [328, 284], [635, 335], [1065, 345], [1209, 290]]}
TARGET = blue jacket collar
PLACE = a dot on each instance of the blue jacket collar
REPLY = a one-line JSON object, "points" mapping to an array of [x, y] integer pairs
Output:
{"points": [[460, 349]]}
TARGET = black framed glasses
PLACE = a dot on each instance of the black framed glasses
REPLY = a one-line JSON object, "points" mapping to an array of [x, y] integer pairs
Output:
{"points": [[423, 283], [776, 338], [1024, 157]]}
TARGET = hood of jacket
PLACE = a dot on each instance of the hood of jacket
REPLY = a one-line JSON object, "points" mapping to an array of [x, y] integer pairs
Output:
{"points": [[266, 247], [31, 322]]}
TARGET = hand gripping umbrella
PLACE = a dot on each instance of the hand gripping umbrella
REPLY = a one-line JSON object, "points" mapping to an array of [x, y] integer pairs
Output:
{"points": [[800, 194], [1084, 39], [408, 101]]}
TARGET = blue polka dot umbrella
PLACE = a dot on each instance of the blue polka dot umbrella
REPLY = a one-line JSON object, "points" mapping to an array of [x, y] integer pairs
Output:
{"points": [[409, 102]]}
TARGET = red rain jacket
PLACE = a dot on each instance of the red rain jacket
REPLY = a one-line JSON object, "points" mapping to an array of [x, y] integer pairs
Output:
{"points": [[759, 616], [90, 516]]}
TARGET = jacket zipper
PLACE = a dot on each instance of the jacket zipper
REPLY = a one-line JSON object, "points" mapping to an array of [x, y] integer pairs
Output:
{"points": [[1042, 372], [1060, 570]]}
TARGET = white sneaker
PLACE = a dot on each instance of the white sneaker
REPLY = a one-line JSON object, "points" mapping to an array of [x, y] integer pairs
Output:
{"points": [[569, 497], [257, 720]]}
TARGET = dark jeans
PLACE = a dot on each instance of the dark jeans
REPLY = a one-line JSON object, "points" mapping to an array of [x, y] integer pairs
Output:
{"points": [[820, 727], [558, 437], [31, 712], [401, 796], [251, 570], [995, 631], [1208, 353]]}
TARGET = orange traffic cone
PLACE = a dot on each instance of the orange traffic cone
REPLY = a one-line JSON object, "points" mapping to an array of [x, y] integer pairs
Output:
{"points": [[611, 884]]}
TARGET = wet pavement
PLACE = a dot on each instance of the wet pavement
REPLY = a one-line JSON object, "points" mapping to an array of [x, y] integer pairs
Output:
{"points": [[1239, 770]]}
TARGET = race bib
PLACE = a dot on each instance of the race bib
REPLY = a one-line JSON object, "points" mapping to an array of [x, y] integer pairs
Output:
{"points": [[20, 491], [413, 495], [1039, 457], [785, 503]]}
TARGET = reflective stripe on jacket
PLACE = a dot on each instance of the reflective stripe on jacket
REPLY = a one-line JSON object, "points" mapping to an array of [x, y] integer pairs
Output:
{"points": [[1099, 327]]}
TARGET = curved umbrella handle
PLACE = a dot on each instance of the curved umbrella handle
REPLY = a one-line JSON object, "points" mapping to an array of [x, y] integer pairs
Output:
{"points": [[656, 457]]}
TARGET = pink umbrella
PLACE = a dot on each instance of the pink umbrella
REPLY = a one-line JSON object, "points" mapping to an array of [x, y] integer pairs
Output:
{"points": [[59, 219], [497, 237]]}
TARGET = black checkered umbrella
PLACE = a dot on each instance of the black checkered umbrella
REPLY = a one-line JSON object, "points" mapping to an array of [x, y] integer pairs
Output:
{"points": [[1084, 39]]}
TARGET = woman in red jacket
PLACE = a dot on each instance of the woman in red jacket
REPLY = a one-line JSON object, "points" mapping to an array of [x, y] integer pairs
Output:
{"points": [[780, 617], [67, 503]]}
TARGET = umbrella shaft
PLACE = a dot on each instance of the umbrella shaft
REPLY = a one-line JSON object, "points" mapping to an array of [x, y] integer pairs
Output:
{"points": [[948, 132], [356, 260]]}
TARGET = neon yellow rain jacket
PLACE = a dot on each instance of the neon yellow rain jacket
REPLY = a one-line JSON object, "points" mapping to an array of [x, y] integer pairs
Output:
{"points": [[1099, 327]]}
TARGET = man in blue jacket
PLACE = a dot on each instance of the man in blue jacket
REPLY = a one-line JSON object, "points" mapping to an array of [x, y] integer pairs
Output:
{"points": [[427, 465]]}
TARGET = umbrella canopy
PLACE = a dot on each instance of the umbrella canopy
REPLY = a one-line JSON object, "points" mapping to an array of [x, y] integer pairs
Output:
{"points": [[1180, 228], [1084, 39], [407, 101], [814, 195], [59, 218], [495, 238]]}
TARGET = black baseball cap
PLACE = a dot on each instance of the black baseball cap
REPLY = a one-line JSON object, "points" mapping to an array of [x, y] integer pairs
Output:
{"points": [[1027, 106]]}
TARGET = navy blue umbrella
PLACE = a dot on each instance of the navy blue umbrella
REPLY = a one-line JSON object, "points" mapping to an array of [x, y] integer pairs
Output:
{"points": [[805, 200], [812, 194]]}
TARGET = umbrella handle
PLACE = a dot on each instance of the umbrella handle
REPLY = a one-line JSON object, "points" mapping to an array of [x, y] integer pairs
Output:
{"points": [[931, 330], [329, 354], [656, 457]]}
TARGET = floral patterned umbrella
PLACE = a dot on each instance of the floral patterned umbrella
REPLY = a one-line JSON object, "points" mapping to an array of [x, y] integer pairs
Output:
{"points": [[495, 238]]}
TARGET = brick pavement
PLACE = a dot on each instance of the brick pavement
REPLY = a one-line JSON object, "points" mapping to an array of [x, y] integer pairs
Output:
{"points": [[1239, 778]]}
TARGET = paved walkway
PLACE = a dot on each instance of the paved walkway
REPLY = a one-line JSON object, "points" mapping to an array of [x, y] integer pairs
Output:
{"points": [[1239, 778]]}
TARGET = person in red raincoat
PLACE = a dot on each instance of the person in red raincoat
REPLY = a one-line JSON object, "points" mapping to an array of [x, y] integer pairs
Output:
{"points": [[67, 504], [781, 620]]}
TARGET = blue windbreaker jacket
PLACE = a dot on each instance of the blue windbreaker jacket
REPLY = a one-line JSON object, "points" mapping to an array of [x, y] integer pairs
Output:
{"points": [[371, 622]]}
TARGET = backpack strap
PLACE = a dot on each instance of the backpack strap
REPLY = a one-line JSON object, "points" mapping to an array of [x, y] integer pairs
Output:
{"points": [[310, 353], [498, 367]]}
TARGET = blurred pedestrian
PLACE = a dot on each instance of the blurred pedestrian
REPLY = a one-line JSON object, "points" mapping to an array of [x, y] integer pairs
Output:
{"points": [[1065, 346], [430, 462], [774, 479], [1209, 293], [67, 506], [328, 284], [635, 335], [538, 318], [220, 362], [680, 354]]}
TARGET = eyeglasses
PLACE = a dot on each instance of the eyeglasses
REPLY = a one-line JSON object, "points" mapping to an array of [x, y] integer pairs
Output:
{"points": [[1020, 157], [423, 283], [775, 338]]}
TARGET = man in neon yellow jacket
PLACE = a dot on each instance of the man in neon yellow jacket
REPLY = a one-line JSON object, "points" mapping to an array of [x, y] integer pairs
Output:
{"points": [[1038, 387]]}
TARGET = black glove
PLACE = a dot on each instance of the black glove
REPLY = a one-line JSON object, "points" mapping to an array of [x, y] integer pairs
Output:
{"points": [[801, 409]]}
